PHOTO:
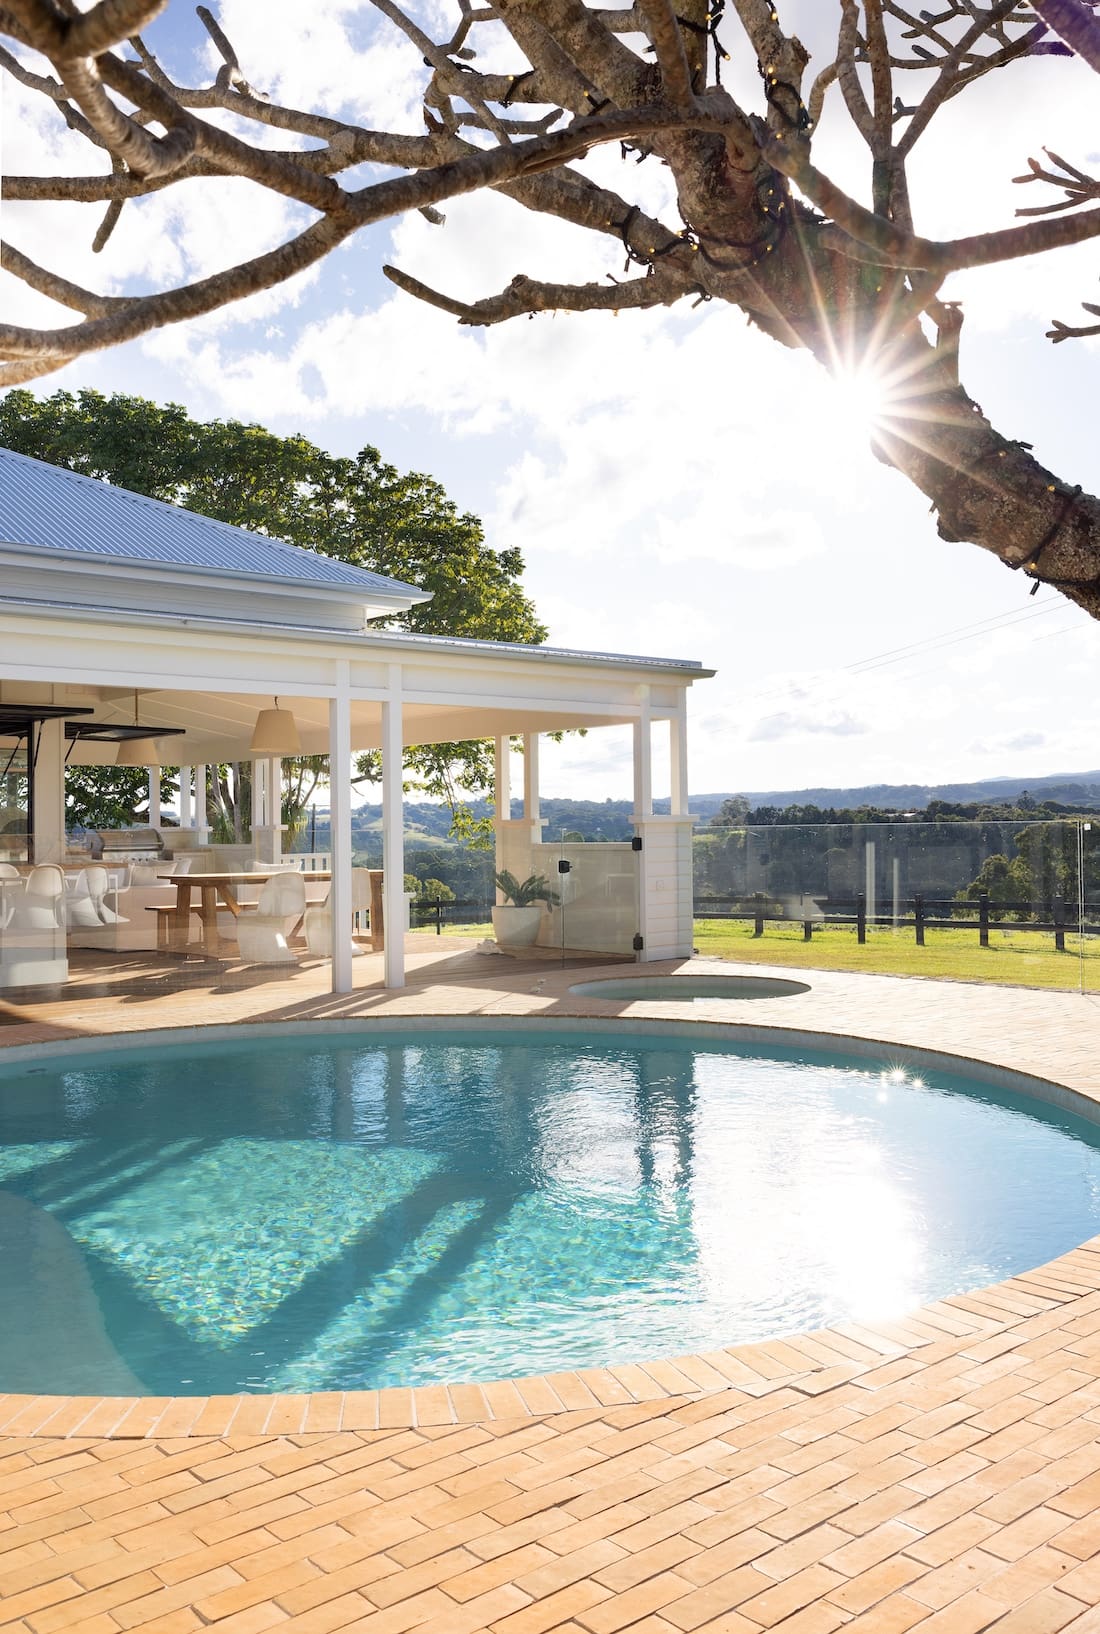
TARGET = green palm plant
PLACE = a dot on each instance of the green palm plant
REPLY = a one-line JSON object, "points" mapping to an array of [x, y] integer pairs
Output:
{"points": [[526, 892]]}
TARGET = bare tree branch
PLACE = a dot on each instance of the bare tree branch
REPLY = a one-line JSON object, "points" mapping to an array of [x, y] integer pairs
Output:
{"points": [[524, 297], [816, 269], [893, 248]]}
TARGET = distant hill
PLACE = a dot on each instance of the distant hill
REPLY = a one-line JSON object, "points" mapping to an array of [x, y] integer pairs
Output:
{"points": [[1067, 788], [428, 824]]}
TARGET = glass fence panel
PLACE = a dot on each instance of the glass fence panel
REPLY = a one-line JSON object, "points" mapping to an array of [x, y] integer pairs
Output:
{"points": [[14, 797], [1029, 891], [598, 891]]}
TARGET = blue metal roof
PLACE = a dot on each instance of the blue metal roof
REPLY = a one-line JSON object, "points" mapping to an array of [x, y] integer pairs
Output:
{"points": [[50, 508]]}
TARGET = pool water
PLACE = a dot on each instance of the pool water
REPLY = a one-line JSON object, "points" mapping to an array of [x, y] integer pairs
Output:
{"points": [[342, 1212]]}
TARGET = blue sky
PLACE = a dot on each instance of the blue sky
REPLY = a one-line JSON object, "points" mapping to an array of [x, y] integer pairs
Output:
{"points": [[678, 483]]}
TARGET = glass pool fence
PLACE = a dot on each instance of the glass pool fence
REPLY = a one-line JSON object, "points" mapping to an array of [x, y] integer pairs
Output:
{"points": [[988, 900]]}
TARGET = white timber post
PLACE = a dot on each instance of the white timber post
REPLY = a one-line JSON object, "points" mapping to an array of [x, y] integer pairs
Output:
{"points": [[502, 803], [275, 805], [531, 784], [267, 809], [678, 760], [154, 797], [259, 802], [201, 800], [47, 751], [187, 819], [339, 772], [393, 834], [643, 759]]}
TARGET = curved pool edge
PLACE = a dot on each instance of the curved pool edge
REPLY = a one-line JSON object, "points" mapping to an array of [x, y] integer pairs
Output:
{"points": [[810, 1363], [979, 1324]]}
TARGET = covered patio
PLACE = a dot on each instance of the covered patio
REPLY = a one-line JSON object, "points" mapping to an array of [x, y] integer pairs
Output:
{"points": [[127, 621]]}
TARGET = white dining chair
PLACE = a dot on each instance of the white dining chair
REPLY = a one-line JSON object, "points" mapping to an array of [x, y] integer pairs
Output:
{"points": [[262, 932], [79, 904], [318, 928], [40, 907], [100, 887]]}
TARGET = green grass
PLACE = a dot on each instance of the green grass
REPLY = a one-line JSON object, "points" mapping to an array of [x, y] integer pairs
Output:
{"points": [[1012, 959]]}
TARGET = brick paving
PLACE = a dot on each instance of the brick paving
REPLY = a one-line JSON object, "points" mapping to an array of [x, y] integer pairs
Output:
{"points": [[941, 1473]]}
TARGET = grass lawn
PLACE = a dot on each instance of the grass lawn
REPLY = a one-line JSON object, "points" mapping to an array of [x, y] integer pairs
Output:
{"points": [[1013, 958]]}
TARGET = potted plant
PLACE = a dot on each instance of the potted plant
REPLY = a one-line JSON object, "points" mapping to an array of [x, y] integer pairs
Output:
{"points": [[516, 920]]}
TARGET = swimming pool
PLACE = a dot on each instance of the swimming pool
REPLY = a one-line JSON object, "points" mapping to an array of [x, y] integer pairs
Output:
{"points": [[359, 1210]]}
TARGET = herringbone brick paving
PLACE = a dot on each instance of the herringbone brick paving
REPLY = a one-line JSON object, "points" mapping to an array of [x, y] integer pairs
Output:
{"points": [[941, 1473], [947, 1488]]}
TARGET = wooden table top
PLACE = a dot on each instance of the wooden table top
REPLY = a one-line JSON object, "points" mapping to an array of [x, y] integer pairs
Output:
{"points": [[235, 877]]}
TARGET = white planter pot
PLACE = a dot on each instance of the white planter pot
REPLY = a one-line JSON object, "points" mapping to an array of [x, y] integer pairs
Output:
{"points": [[517, 927]]}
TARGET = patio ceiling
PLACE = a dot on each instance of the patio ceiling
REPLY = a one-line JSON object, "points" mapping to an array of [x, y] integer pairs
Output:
{"points": [[217, 726]]}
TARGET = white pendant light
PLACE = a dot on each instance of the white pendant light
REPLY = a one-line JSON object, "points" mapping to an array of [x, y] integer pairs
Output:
{"points": [[137, 751], [276, 733]]}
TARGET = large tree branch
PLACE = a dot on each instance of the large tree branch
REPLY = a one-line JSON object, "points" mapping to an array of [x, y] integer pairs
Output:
{"points": [[526, 296], [374, 203], [890, 247]]}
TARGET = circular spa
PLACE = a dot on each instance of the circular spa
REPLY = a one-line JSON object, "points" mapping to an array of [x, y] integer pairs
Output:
{"points": [[371, 1207], [688, 989]]}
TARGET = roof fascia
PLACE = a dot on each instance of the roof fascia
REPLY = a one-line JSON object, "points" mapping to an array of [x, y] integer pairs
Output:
{"points": [[399, 641], [47, 556]]}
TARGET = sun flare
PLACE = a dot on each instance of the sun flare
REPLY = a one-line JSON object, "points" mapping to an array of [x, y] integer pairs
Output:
{"points": [[862, 397]]}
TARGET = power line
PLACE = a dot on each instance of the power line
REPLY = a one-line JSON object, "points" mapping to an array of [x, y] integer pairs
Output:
{"points": [[933, 643]]}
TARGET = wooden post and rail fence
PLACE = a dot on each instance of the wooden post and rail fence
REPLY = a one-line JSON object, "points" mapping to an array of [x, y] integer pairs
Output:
{"points": [[921, 912]]}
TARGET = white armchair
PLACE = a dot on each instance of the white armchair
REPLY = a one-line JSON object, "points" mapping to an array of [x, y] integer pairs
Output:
{"points": [[262, 933]]}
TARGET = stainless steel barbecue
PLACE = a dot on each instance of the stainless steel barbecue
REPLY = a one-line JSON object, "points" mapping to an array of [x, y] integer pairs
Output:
{"points": [[130, 845]]}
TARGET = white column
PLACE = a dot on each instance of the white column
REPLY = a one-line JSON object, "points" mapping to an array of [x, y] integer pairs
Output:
{"points": [[259, 799], [677, 742], [267, 809], [393, 834], [200, 799], [187, 819], [154, 796], [643, 758], [502, 801], [275, 805], [502, 780], [531, 777], [339, 750], [46, 747]]}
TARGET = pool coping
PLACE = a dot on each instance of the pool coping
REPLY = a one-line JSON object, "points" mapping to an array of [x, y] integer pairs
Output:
{"points": [[811, 1362]]}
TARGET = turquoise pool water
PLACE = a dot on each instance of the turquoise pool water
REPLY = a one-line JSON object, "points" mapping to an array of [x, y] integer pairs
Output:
{"points": [[337, 1212]]}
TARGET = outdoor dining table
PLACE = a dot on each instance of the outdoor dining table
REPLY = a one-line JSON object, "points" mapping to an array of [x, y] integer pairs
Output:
{"points": [[215, 890]]}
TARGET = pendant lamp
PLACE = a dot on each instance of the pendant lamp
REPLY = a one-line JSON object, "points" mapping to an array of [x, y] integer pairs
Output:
{"points": [[276, 733], [137, 751]]}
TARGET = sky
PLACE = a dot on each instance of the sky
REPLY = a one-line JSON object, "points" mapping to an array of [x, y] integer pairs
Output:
{"points": [[680, 485]]}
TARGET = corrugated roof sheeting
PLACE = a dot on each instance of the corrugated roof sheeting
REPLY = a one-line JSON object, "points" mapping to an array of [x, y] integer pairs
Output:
{"points": [[49, 507]]}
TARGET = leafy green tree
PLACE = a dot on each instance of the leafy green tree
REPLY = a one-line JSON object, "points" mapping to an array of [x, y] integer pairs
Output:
{"points": [[732, 812], [434, 890], [109, 796], [360, 510]]}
